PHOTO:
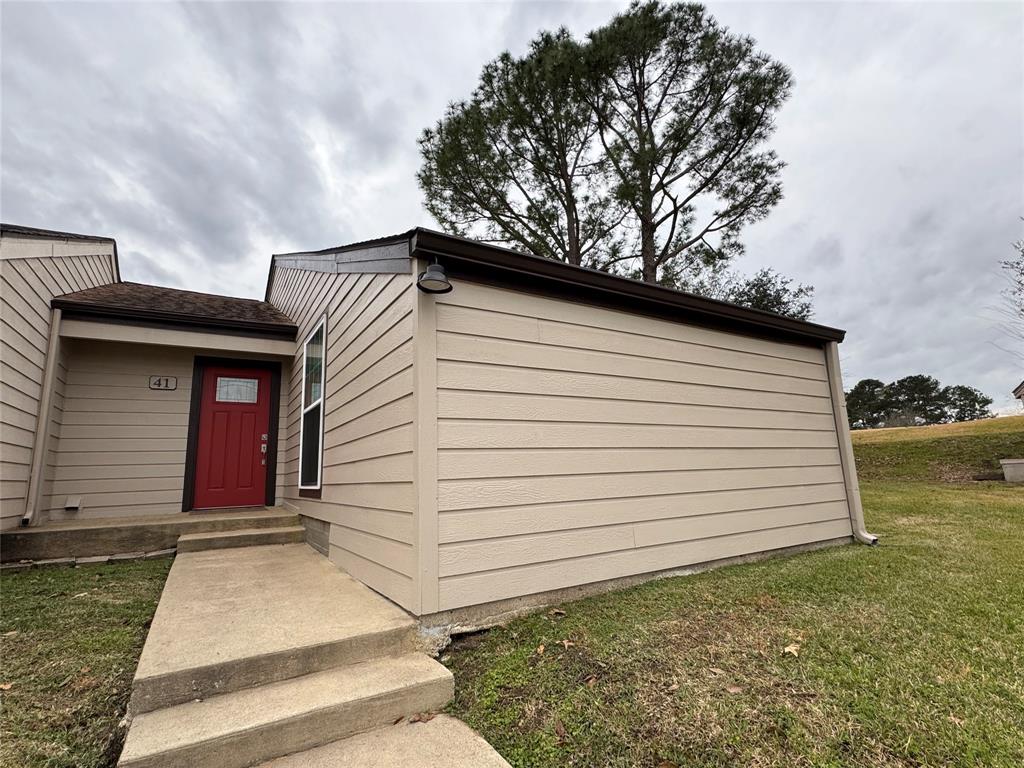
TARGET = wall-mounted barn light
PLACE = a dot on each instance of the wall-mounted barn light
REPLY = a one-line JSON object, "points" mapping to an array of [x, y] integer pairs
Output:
{"points": [[433, 280]]}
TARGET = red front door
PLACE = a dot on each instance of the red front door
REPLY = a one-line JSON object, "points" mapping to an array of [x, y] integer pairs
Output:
{"points": [[234, 424]]}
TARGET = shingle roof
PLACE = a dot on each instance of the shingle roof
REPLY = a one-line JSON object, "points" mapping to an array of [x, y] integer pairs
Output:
{"points": [[17, 229], [151, 302]]}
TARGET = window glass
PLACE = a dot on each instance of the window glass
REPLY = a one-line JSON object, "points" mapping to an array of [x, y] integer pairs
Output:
{"points": [[311, 434], [314, 367], [309, 474], [232, 390]]}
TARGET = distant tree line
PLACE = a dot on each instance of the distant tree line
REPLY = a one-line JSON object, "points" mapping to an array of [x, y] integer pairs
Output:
{"points": [[911, 401]]}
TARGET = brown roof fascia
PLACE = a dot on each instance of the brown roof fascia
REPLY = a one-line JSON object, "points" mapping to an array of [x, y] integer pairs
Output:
{"points": [[472, 259], [155, 317]]}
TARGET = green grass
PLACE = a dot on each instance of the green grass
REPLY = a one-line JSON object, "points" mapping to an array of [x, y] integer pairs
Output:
{"points": [[940, 453], [907, 654], [71, 638]]}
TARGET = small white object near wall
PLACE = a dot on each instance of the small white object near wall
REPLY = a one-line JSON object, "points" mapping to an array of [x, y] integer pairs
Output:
{"points": [[1013, 470]]}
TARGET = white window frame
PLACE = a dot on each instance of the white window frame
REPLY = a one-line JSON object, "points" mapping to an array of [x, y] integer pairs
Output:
{"points": [[321, 323]]}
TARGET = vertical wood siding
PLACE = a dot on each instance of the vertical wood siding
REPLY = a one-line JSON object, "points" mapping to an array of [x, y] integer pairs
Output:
{"points": [[578, 444], [32, 272], [367, 496]]}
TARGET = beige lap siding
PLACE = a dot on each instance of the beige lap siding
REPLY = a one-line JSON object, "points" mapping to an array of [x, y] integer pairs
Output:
{"points": [[367, 494], [32, 272], [122, 444], [578, 444]]}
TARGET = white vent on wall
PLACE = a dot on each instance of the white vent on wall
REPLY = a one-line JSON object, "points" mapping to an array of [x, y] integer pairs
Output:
{"points": [[73, 504]]}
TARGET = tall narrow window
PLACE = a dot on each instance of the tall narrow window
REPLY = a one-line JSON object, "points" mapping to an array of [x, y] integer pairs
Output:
{"points": [[312, 429]]}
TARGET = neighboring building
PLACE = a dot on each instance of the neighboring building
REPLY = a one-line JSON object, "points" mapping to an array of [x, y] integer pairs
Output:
{"points": [[539, 427], [1018, 392]]}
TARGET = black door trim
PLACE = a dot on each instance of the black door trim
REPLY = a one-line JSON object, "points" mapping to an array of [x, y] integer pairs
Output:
{"points": [[192, 446]]}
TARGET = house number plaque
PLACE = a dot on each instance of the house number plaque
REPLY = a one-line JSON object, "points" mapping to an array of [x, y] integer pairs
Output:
{"points": [[163, 382]]}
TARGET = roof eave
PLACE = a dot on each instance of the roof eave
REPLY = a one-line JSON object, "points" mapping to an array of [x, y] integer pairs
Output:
{"points": [[248, 327], [526, 269]]}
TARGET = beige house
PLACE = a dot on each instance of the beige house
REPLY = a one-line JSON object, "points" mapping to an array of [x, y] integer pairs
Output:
{"points": [[538, 427]]}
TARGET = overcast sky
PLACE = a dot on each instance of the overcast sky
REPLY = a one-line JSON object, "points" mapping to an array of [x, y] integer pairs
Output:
{"points": [[205, 137]]}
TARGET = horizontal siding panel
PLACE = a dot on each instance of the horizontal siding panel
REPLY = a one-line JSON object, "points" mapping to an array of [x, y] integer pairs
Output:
{"points": [[387, 416], [480, 349], [99, 504], [15, 454], [520, 407], [102, 392], [396, 526], [657, 532], [368, 493], [13, 417], [107, 405], [392, 440], [382, 469], [118, 469], [456, 559], [472, 494], [536, 518], [18, 437], [395, 555], [19, 381], [28, 284], [497, 378], [121, 445], [395, 496], [14, 398], [134, 418], [176, 432], [515, 462], [396, 387], [11, 511], [113, 458], [12, 489], [477, 556], [387, 356], [27, 360], [389, 583], [118, 484], [587, 316], [471, 589], [510, 434]]}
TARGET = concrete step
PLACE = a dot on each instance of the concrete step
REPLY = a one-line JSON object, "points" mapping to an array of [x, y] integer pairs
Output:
{"points": [[116, 535], [247, 537], [234, 619], [442, 742], [246, 727]]}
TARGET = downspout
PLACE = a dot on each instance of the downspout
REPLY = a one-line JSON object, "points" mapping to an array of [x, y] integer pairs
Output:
{"points": [[43, 421], [835, 382]]}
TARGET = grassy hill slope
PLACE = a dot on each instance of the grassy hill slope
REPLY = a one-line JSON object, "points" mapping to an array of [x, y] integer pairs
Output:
{"points": [[948, 453]]}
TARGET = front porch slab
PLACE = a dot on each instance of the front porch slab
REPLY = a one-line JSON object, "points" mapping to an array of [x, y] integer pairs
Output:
{"points": [[232, 619], [105, 536]]}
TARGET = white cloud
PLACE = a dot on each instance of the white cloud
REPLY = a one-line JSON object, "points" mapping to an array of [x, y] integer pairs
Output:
{"points": [[206, 136]]}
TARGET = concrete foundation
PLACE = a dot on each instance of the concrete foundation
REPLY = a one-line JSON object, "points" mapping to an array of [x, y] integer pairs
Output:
{"points": [[436, 629], [120, 535]]}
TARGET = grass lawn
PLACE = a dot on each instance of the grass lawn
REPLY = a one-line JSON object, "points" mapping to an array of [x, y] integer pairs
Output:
{"points": [[71, 638], [906, 654]]}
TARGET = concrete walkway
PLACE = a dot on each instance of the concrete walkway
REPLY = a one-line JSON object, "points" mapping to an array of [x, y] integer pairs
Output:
{"points": [[260, 652]]}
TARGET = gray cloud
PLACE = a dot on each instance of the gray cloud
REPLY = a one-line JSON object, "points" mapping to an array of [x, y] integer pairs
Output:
{"points": [[206, 136]]}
